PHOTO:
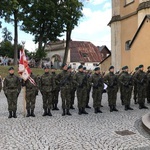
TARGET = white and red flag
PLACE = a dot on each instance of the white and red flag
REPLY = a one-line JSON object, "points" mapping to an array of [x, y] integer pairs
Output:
{"points": [[24, 69]]}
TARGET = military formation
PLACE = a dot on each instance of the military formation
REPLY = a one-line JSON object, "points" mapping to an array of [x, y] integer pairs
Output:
{"points": [[68, 83]]}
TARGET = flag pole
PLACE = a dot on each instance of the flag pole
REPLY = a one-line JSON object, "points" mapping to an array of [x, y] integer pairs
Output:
{"points": [[24, 90]]}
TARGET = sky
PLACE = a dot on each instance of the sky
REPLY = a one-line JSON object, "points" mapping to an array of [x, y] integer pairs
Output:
{"points": [[92, 26]]}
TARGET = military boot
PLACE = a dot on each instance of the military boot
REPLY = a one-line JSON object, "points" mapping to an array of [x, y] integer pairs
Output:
{"points": [[45, 112], [83, 111], [129, 108], [87, 106], [114, 108], [10, 114], [14, 114], [71, 107], [126, 108], [32, 113], [28, 113], [64, 112], [56, 108], [80, 112], [68, 113], [135, 102], [53, 107], [140, 106], [111, 108], [49, 112], [95, 110], [99, 111], [144, 107]]}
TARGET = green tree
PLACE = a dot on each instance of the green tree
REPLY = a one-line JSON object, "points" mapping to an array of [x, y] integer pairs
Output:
{"points": [[71, 13], [6, 35]]}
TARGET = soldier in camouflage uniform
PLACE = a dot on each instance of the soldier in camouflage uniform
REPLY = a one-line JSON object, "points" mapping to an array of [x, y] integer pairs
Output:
{"points": [[127, 85], [98, 86], [135, 86], [73, 88], [148, 84], [0, 83], [31, 93], [141, 80], [81, 81], [56, 90], [65, 80], [111, 80], [12, 88], [46, 85]]}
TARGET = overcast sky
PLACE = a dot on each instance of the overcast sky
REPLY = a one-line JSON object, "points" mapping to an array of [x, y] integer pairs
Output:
{"points": [[92, 27]]}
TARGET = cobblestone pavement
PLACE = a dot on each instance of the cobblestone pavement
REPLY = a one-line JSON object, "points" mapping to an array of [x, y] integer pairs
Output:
{"points": [[85, 132]]}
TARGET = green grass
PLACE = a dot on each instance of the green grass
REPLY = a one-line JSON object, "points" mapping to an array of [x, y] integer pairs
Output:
{"points": [[36, 71]]}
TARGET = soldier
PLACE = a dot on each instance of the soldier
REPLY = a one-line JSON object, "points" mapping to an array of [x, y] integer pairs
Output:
{"points": [[65, 80], [12, 88], [111, 81], [127, 85], [98, 87], [148, 85], [31, 93], [135, 86], [141, 79], [56, 90], [73, 88], [0, 83], [46, 85], [81, 81]]}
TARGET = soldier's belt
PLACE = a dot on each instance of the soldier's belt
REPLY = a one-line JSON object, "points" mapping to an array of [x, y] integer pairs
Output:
{"points": [[12, 88]]}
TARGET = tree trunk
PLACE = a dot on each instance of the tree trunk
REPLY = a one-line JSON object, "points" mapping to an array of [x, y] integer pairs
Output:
{"points": [[68, 36], [15, 38]]}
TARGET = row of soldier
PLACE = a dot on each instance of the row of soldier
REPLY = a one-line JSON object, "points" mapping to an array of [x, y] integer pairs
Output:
{"points": [[68, 82]]}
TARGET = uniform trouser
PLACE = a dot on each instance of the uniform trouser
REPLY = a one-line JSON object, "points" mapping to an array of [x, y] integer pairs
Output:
{"points": [[135, 92], [47, 99], [127, 93], [82, 97], [88, 95], [141, 94], [72, 96], [148, 93], [55, 95], [97, 97], [65, 96], [12, 96], [30, 99], [112, 95], [121, 93]]}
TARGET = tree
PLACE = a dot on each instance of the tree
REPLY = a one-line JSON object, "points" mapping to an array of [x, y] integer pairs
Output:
{"points": [[10, 11], [43, 21], [71, 13], [6, 35]]}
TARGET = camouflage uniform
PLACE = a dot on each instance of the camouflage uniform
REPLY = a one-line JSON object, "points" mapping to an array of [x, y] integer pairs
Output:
{"points": [[0, 84], [148, 87], [111, 81], [141, 80], [98, 87], [12, 88], [55, 93], [31, 92], [121, 90], [65, 80], [81, 81], [127, 85], [46, 87]]}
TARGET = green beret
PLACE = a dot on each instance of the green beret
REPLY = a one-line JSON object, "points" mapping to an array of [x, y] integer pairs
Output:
{"points": [[11, 68], [137, 68], [63, 65], [84, 68], [97, 68], [141, 66], [46, 67], [69, 67], [80, 67], [125, 67], [111, 67], [148, 67]]}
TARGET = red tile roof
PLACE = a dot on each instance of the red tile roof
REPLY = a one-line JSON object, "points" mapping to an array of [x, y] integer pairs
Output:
{"points": [[82, 51]]}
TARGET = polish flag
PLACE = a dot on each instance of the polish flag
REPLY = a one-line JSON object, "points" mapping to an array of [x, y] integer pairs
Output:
{"points": [[23, 69]]}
